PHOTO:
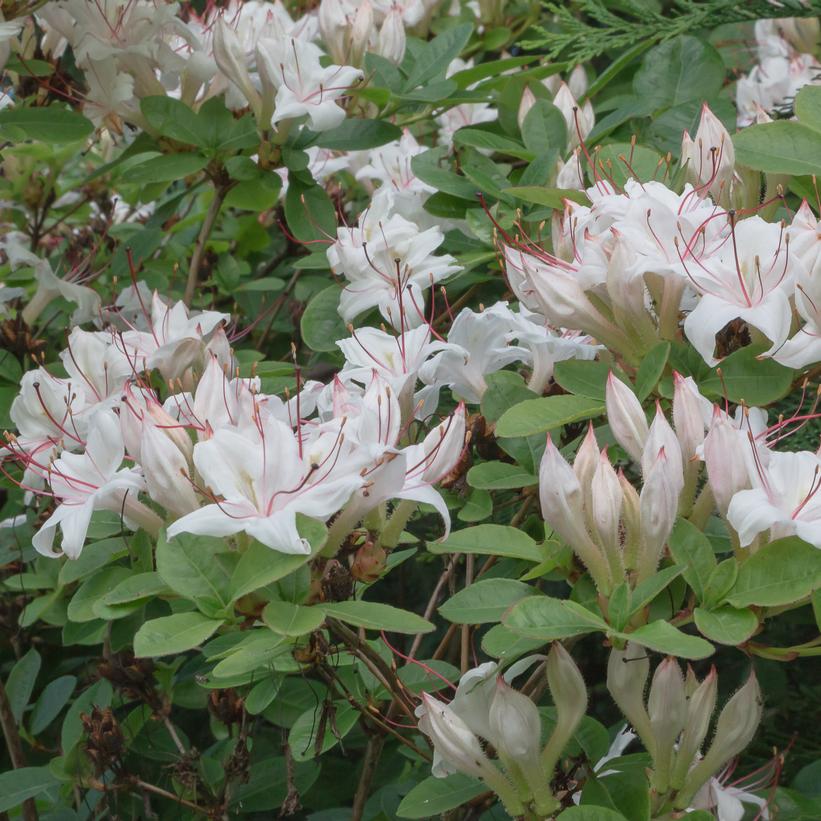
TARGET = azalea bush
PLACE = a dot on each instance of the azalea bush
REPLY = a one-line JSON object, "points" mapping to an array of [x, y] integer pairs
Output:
{"points": [[411, 410]]}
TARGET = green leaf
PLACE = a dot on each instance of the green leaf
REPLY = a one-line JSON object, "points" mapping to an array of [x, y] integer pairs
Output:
{"points": [[20, 683], [721, 580], [221, 131], [692, 550], [174, 119], [618, 606], [434, 796], [136, 588], [259, 566], [547, 413], [256, 651], [490, 540], [193, 566], [780, 573], [376, 616], [546, 618], [780, 147], [308, 210], [583, 377], [550, 197], [54, 697], [302, 739], [93, 557], [26, 782], [428, 167], [617, 159], [49, 124], [165, 168], [590, 813], [92, 590], [544, 130], [651, 369], [646, 591], [355, 135], [433, 59], [664, 638], [489, 141], [678, 71], [808, 107], [505, 645], [173, 634], [499, 476], [258, 194], [321, 325], [726, 625], [98, 695], [288, 619], [747, 379], [484, 601], [262, 694]]}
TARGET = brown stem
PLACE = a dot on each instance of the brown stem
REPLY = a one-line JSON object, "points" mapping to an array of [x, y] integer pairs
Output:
{"points": [[152, 788], [202, 239], [465, 645], [434, 597], [15, 748], [369, 766]]}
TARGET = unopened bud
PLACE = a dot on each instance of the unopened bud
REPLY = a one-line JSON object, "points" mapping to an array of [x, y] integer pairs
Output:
{"points": [[688, 414], [626, 417], [627, 672], [569, 694], [735, 729], [667, 708], [528, 101], [392, 40], [723, 455], [701, 703]]}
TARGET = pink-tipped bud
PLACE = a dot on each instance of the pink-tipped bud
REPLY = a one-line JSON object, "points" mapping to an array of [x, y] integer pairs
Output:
{"points": [[607, 500], [392, 40], [688, 414], [626, 417], [724, 455], [710, 157], [659, 506], [662, 437]]}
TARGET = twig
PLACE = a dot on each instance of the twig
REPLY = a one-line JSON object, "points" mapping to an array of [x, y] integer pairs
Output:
{"points": [[152, 788], [202, 239], [465, 648], [369, 765], [434, 597], [15, 748]]}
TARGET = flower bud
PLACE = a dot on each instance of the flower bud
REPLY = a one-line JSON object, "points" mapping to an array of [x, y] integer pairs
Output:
{"points": [[231, 60], [626, 417], [701, 703], [579, 120], [606, 502], [585, 464], [456, 746], [514, 723], [360, 32], [528, 101], [163, 464], [566, 687], [577, 81], [735, 729], [723, 455], [667, 708], [659, 506], [710, 158], [688, 414], [392, 40], [560, 495], [570, 175], [631, 521], [333, 26], [662, 437], [627, 672], [569, 694]]}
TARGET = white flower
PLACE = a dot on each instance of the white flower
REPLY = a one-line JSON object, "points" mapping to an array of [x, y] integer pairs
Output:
{"points": [[784, 498], [266, 479], [303, 86], [388, 263], [477, 346], [176, 339], [89, 481], [747, 278]]}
